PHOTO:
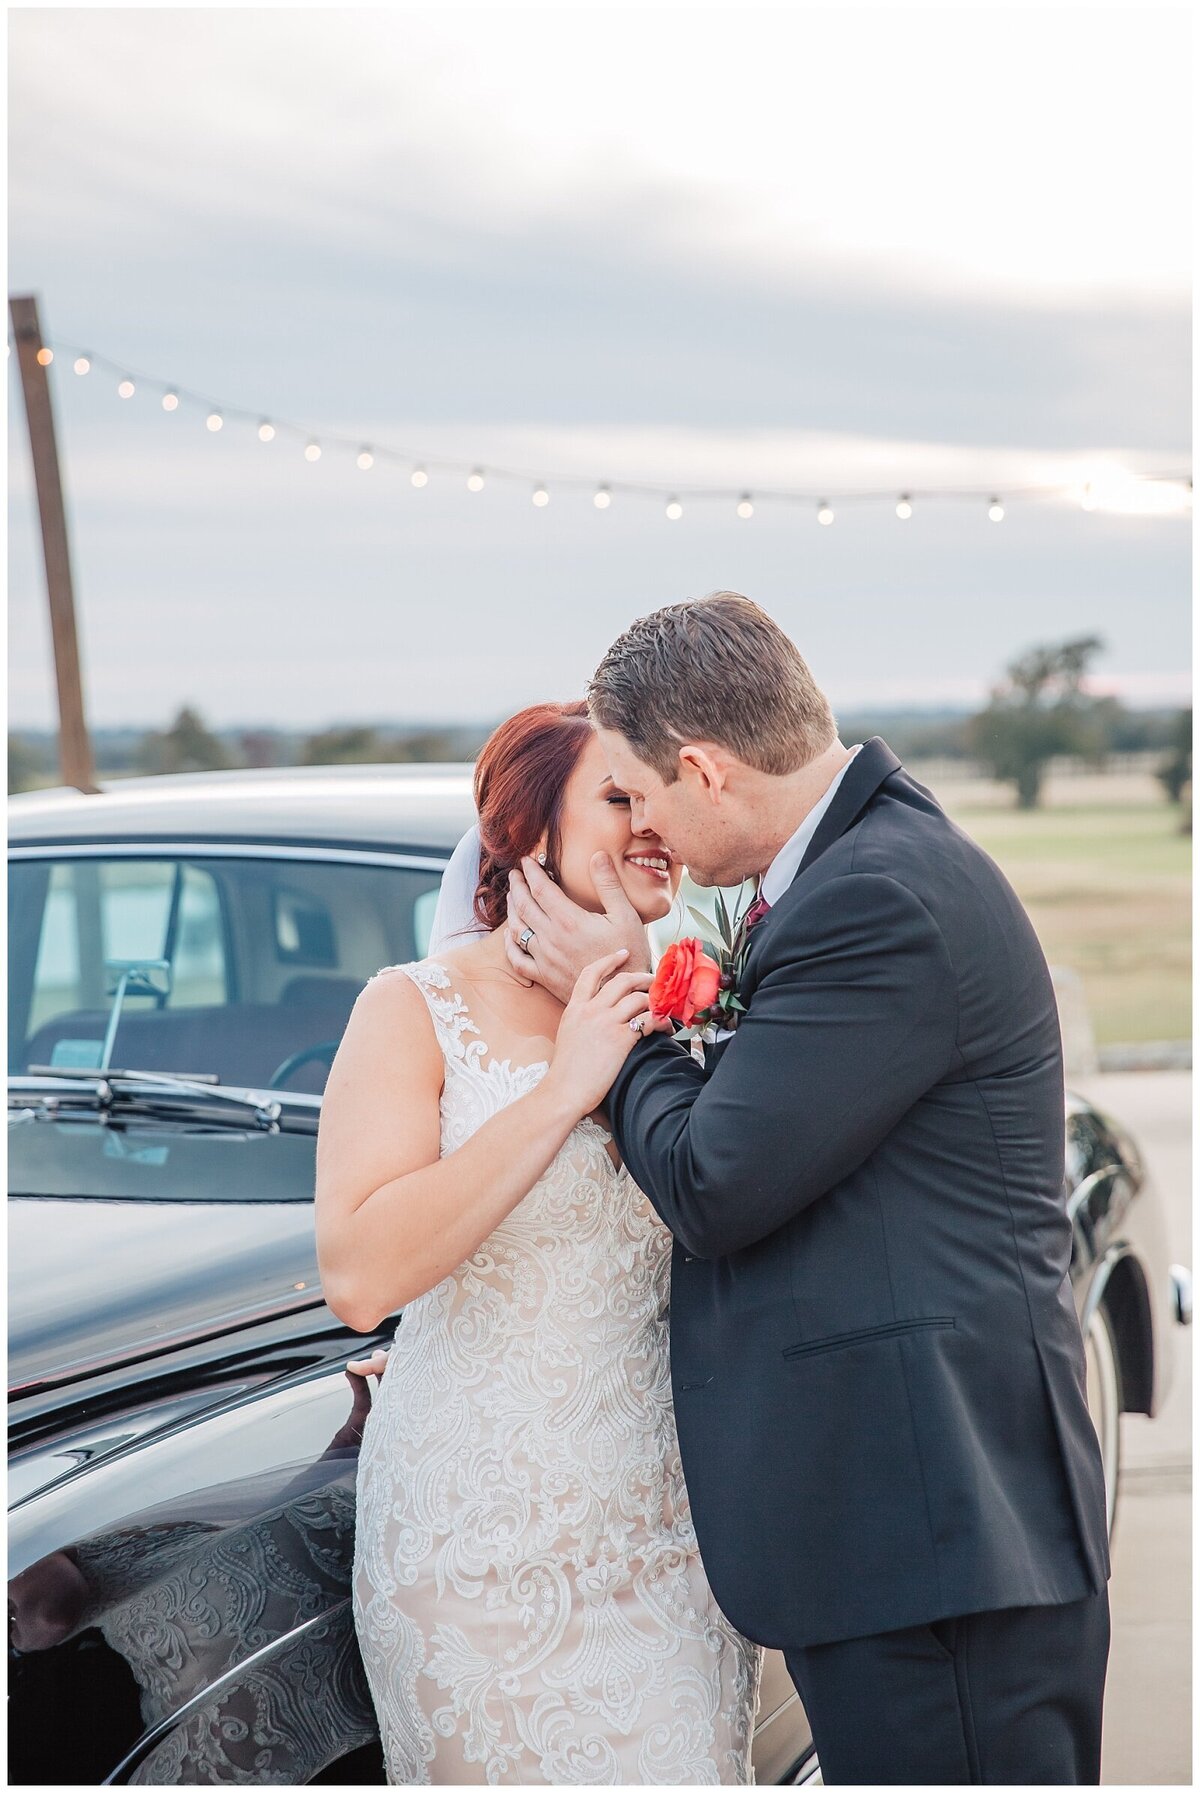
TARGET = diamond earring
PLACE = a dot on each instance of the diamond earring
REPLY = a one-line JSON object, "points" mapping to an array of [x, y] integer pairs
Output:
{"points": [[541, 859]]}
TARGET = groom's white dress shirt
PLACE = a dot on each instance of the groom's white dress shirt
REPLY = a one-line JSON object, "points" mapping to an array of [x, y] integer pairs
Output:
{"points": [[787, 861]]}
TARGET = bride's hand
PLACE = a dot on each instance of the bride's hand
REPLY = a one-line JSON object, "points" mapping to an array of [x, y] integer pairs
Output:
{"points": [[594, 1036]]}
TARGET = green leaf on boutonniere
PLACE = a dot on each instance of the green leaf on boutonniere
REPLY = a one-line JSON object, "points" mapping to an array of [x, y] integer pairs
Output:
{"points": [[735, 1003], [705, 923], [723, 919]]}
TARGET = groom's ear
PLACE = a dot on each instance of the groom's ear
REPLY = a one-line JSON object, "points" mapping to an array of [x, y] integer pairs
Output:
{"points": [[708, 764]]}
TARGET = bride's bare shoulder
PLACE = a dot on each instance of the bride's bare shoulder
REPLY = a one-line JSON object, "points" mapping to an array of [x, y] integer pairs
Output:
{"points": [[391, 1012]]}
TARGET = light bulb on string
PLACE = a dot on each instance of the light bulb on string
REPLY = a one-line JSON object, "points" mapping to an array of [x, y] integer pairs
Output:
{"points": [[266, 431], [674, 510], [83, 364], [170, 401], [420, 477], [745, 505], [541, 497], [366, 459], [602, 499], [126, 388], [215, 421], [475, 480], [995, 510], [904, 507], [312, 451], [824, 511], [45, 357]]}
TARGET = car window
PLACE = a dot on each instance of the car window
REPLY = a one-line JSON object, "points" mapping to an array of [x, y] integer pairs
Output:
{"points": [[246, 967]]}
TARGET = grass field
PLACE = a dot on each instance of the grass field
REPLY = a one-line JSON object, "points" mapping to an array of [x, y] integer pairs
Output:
{"points": [[1106, 877]]}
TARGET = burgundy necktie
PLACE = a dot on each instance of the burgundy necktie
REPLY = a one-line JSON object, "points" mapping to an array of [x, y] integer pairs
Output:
{"points": [[756, 911]]}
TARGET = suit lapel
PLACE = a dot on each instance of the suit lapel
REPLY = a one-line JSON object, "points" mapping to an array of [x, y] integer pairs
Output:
{"points": [[871, 765], [874, 762]]}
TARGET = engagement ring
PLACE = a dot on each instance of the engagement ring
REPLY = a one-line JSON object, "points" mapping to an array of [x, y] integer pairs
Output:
{"points": [[638, 1023]]}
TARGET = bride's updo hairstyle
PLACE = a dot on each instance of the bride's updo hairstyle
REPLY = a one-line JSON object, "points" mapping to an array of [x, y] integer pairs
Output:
{"points": [[520, 777]]}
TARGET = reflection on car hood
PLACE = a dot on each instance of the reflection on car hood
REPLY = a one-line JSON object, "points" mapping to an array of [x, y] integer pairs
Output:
{"points": [[96, 1283]]}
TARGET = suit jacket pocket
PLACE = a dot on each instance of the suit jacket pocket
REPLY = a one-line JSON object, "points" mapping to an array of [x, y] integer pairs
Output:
{"points": [[865, 1335]]}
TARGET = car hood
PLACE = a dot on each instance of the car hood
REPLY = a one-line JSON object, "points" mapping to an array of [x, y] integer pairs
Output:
{"points": [[96, 1283]]}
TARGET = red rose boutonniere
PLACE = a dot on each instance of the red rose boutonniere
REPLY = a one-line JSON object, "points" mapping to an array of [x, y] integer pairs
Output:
{"points": [[696, 981]]}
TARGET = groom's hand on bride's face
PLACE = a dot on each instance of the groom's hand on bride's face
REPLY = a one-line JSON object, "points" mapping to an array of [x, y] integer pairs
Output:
{"points": [[566, 937]]}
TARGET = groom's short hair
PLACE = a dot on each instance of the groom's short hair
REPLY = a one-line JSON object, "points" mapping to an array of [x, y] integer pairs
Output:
{"points": [[713, 669]]}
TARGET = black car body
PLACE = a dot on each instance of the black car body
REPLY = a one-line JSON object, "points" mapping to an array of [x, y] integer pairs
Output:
{"points": [[185, 953]]}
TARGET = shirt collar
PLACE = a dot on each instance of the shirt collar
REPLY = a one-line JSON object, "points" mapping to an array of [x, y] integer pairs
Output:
{"points": [[787, 861]]}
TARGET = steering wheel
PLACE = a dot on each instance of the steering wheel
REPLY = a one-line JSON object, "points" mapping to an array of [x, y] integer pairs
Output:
{"points": [[323, 1049]]}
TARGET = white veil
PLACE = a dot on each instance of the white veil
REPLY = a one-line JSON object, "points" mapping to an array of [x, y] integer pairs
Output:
{"points": [[454, 919]]}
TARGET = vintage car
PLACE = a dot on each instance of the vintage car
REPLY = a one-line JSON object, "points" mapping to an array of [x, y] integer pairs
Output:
{"points": [[184, 954]]}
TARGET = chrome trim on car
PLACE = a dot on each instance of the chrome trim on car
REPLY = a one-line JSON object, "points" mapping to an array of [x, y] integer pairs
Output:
{"points": [[1096, 1287], [233, 848], [1083, 1191], [1181, 1289], [82, 1367]]}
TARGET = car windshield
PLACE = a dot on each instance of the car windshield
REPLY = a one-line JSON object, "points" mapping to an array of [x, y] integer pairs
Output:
{"points": [[242, 966]]}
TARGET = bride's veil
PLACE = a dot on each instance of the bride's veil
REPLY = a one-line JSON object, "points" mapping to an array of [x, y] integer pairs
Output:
{"points": [[454, 919]]}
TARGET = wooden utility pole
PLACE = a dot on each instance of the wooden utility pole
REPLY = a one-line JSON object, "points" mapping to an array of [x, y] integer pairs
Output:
{"points": [[74, 743]]}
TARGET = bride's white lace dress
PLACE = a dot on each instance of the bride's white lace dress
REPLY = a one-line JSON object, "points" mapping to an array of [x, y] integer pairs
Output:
{"points": [[529, 1599]]}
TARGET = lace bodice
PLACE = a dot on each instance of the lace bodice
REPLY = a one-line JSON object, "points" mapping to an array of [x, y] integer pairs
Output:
{"points": [[530, 1599]]}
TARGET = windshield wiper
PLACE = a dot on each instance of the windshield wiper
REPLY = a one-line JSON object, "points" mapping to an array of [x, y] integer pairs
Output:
{"points": [[124, 1090]]}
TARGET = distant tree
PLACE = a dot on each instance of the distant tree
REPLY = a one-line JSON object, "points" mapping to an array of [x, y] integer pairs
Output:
{"points": [[187, 746], [1175, 773], [343, 747], [428, 746], [1037, 711], [1098, 725], [28, 768], [259, 747]]}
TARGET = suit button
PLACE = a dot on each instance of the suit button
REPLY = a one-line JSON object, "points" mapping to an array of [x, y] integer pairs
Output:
{"points": [[688, 1260]]}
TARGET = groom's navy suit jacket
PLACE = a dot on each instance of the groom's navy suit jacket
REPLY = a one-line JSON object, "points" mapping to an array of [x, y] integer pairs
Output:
{"points": [[877, 1366]]}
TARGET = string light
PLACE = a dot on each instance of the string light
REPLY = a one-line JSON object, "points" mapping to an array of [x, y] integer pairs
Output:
{"points": [[366, 459], [1144, 494]]}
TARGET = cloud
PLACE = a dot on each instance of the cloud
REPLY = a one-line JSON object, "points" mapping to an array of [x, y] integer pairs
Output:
{"points": [[760, 246]]}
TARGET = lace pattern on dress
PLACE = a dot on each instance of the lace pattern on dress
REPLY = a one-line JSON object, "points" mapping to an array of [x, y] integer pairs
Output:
{"points": [[529, 1596]]}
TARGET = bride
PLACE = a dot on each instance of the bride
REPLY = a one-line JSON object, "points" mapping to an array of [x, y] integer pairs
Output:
{"points": [[528, 1596]]}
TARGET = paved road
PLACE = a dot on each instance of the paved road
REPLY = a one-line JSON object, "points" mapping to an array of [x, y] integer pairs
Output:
{"points": [[1148, 1730]]}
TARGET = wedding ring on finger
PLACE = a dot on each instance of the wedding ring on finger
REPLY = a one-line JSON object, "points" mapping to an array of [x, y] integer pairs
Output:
{"points": [[523, 939], [638, 1023]]}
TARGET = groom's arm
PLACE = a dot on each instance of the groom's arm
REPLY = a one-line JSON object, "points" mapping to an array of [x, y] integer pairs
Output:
{"points": [[852, 1020]]}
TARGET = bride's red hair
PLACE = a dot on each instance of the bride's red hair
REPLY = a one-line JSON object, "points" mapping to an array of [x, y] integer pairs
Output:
{"points": [[520, 776]]}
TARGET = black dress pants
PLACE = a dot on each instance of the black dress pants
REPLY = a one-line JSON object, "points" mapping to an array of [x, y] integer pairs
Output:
{"points": [[1007, 1698]]}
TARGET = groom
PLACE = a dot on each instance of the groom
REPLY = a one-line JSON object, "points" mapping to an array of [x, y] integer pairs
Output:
{"points": [[877, 1366]]}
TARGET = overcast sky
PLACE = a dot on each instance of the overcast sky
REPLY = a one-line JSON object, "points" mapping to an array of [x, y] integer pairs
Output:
{"points": [[817, 249]]}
